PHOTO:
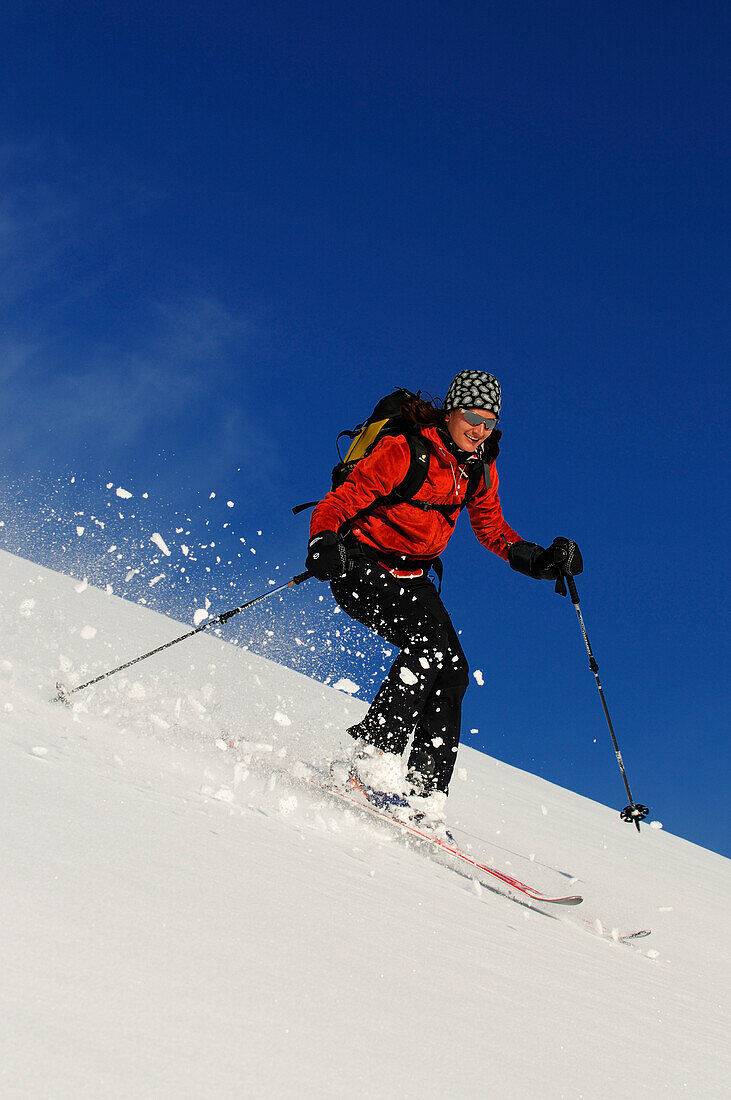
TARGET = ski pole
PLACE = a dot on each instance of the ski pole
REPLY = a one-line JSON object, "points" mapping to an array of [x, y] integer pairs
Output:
{"points": [[635, 812], [64, 692]]}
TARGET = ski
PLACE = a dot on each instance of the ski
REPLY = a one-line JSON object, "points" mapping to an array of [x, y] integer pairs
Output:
{"points": [[451, 849], [314, 777]]}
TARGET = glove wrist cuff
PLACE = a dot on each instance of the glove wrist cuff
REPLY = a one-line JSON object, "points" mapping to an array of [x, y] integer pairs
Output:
{"points": [[522, 557]]}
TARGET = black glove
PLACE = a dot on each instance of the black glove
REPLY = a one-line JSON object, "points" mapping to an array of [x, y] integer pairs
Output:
{"points": [[326, 556], [563, 555]]}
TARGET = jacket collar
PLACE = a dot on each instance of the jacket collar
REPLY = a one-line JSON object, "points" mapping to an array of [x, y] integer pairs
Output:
{"points": [[464, 458]]}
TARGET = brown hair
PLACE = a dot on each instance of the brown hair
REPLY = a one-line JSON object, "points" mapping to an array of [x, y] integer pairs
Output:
{"points": [[424, 413]]}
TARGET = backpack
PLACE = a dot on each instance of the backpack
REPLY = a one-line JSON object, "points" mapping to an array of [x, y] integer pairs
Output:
{"points": [[387, 419]]}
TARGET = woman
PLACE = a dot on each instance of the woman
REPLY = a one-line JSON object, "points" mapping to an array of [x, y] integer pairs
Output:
{"points": [[377, 558]]}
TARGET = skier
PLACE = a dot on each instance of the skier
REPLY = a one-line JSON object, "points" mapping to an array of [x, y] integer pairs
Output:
{"points": [[378, 558]]}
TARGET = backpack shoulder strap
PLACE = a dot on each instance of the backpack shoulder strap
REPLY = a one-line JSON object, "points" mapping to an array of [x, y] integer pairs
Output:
{"points": [[415, 475], [418, 465], [478, 476]]}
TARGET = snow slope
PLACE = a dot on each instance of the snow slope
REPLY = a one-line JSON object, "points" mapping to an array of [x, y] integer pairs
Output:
{"points": [[180, 919]]}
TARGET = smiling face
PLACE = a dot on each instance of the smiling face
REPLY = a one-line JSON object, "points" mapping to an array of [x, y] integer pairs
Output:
{"points": [[468, 437]]}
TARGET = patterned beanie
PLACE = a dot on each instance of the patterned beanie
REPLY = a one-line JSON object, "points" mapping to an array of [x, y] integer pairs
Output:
{"points": [[473, 389]]}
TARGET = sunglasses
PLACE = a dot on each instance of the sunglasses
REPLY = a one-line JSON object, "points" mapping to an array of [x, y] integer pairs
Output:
{"points": [[477, 421]]}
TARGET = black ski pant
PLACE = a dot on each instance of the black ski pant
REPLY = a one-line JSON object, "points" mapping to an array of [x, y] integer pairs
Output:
{"points": [[422, 694]]}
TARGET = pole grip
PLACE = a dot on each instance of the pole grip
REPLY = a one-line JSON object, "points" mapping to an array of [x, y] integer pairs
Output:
{"points": [[573, 591], [301, 577]]}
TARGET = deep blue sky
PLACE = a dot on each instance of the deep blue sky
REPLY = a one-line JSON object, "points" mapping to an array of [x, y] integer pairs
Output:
{"points": [[227, 229]]}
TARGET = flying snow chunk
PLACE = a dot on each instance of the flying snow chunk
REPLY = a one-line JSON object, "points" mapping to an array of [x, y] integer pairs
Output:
{"points": [[200, 616], [408, 677], [347, 686], [229, 504], [656, 824], [281, 719], [160, 543], [79, 531], [225, 794], [478, 677], [123, 493]]}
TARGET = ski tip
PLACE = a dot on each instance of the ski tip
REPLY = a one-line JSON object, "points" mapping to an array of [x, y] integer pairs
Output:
{"points": [[575, 899]]}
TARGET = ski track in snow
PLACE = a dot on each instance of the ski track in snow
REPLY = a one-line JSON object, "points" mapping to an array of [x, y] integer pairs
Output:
{"points": [[182, 916]]}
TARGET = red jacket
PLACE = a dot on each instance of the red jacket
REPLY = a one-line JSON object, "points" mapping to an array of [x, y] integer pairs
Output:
{"points": [[401, 528]]}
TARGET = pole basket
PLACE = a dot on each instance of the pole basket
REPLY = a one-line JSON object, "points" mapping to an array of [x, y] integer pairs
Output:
{"points": [[634, 814]]}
